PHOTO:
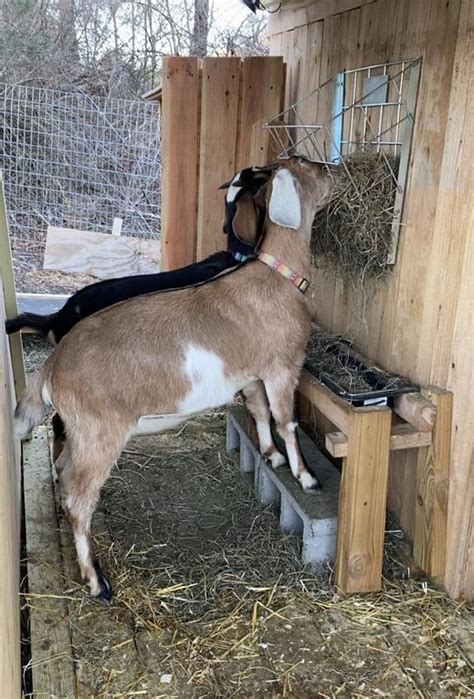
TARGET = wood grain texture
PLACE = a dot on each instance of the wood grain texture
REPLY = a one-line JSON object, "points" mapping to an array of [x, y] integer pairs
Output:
{"points": [[179, 143], [419, 321], [51, 652], [10, 509], [402, 437], [301, 14], [218, 143], [10, 304], [432, 488], [337, 411], [100, 254], [362, 502], [417, 410], [262, 85]]}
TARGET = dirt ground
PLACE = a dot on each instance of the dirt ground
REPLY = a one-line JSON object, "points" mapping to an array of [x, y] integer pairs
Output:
{"points": [[211, 600]]}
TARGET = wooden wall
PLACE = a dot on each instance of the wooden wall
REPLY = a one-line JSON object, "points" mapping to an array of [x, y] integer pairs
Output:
{"points": [[209, 108], [420, 322]]}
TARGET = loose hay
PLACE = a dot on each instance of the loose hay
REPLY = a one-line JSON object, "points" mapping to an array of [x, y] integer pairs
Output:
{"points": [[211, 600], [353, 234]]}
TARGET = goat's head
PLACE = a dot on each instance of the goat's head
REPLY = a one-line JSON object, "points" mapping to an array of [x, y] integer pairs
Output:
{"points": [[297, 191], [245, 208]]}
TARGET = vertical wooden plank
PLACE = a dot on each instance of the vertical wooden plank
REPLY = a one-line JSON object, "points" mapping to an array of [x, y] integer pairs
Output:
{"points": [[10, 508], [432, 487], [52, 662], [179, 143], [262, 85], [362, 501], [218, 139], [11, 308], [331, 62]]}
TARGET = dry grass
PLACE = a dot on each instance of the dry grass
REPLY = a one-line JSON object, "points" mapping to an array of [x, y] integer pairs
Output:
{"points": [[329, 355], [353, 234]]}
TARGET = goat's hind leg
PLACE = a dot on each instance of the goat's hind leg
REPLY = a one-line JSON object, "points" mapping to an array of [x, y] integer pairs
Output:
{"points": [[257, 403], [281, 396], [91, 468]]}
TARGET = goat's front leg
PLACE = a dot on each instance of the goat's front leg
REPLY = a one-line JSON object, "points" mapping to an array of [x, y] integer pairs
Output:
{"points": [[257, 404], [280, 390]]}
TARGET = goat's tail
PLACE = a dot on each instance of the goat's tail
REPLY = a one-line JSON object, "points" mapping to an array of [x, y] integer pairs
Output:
{"points": [[37, 323], [33, 405]]}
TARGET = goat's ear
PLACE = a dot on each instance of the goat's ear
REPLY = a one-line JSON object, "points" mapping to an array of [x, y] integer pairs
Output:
{"points": [[284, 207], [245, 221]]}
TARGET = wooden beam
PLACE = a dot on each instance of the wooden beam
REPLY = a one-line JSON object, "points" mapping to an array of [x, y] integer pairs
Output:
{"points": [[432, 488], [10, 509], [403, 436], [334, 409], [417, 410], [51, 652], [218, 143], [179, 145], [362, 501]]}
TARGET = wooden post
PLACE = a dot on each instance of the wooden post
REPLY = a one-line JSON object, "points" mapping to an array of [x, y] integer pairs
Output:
{"points": [[432, 488], [179, 129], [218, 142], [362, 501], [10, 506], [11, 309]]}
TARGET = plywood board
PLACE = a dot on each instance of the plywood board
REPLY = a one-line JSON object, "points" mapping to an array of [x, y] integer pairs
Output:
{"points": [[179, 179], [102, 255], [218, 142]]}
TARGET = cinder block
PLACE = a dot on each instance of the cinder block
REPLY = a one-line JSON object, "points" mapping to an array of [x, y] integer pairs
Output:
{"points": [[232, 437], [266, 491], [312, 515]]}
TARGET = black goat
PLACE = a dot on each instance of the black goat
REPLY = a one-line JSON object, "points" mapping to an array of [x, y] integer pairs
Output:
{"points": [[241, 245]]}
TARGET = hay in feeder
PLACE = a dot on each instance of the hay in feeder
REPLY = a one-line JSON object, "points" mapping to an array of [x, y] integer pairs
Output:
{"points": [[353, 234]]}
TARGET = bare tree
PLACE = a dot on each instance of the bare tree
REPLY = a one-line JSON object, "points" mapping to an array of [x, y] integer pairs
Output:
{"points": [[201, 28]]}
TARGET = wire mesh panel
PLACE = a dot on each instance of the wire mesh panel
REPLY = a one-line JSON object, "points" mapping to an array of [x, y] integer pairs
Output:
{"points": [[358, 111], [77, 161]]}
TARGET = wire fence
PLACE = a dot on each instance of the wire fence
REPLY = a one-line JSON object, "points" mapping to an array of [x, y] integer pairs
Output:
{"points": [[77, 161]]}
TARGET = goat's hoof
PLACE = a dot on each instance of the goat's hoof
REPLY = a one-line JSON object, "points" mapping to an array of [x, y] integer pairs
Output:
{"points": [[309, 483], [105, 594], [275, 459]]}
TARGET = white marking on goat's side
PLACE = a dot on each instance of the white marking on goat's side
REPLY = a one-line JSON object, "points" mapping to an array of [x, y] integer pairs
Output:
{"points": [[152, 424], [45, 395], [232, 193], [284, 207], [210, 387]]}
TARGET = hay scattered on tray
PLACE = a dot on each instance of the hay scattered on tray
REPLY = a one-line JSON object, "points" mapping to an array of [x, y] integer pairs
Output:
{"points": [[328, 354], [353, 234]]}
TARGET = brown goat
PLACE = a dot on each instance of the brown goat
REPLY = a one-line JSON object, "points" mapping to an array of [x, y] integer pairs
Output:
{"points": [[149, 363]]}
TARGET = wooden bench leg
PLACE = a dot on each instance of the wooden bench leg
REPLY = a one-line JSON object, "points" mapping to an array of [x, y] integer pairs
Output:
{"points": [[432, 487], [362, 501]]}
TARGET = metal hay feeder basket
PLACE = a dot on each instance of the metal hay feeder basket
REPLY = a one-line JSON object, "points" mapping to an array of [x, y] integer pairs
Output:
{"points": [[362, 110]]}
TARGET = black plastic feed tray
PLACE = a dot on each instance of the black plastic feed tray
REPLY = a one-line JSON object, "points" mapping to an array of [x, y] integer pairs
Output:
{"points": [[353, 380]]}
